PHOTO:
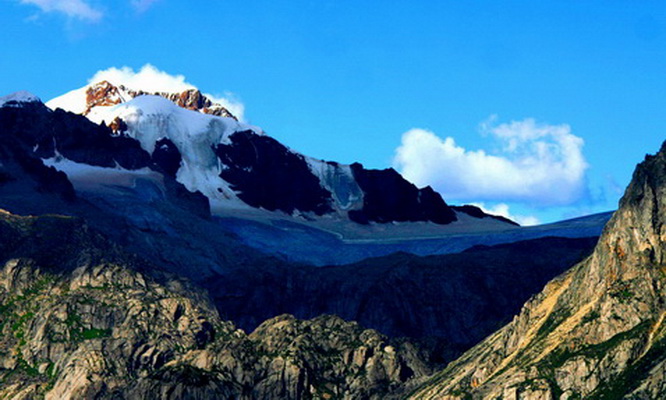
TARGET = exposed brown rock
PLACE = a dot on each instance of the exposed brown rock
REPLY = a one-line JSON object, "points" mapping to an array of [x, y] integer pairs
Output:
{"points": [[104, 94], [117, 125]]}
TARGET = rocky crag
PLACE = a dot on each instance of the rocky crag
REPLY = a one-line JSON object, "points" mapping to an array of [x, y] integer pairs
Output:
{"points": [[79, 318], [596, 332], [105, 94]]}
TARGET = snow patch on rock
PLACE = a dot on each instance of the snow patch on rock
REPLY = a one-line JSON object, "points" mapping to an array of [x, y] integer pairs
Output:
{"points": [[151, 118], [16, 98], [86, 177], [339, 180], [73, 101]]}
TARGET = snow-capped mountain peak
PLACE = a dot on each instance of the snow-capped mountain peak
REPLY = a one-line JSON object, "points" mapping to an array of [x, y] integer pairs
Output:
{"points": [[16, 98], [105, 94], [207, 150], [155, 121]]}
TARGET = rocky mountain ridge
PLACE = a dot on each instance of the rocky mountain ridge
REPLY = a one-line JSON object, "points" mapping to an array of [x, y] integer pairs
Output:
{"points": [[236, 166], [105, 94], [467, 295], [597, 331]]}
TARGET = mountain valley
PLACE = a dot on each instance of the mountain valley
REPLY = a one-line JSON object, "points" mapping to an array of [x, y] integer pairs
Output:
{"points": [[154, 246]]}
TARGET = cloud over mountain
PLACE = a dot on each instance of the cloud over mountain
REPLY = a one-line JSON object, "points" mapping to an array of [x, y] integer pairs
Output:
{"points": [[537, 164], [502, 209]]}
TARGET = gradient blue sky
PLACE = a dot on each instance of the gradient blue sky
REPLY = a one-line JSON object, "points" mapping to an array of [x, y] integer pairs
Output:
{"points": [[345, 80]]}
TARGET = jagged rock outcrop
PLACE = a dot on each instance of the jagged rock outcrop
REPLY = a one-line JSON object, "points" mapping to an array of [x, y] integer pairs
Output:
{"points": [[81, 319], [103, 94], [596, 332], [194, 100]]}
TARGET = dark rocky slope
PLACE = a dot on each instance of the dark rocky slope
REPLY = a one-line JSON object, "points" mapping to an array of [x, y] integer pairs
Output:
{"points": [[389, 197], [595, 332], [42, 133], [451, 301], [30, 132], [268, 175]]}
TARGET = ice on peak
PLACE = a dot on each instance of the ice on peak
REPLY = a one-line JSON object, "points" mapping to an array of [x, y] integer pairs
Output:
{"points": [[19, 97], [150, 104], [150, 118]]}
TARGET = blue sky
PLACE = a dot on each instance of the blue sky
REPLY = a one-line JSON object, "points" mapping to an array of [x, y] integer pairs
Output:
{"points": [[542, 108]]}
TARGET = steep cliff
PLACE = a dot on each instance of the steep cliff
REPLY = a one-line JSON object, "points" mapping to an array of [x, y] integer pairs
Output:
{"points": [[596, 332]]}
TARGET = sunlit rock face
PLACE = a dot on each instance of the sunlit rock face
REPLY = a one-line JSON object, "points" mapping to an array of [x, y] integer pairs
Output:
{"points": [[595, 332]]}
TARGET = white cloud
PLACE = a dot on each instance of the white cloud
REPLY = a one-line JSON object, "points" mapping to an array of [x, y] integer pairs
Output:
{"points": [[79, 9], [230, 102], [538, 164], [142, 5], [151, 79], [502, 209]]}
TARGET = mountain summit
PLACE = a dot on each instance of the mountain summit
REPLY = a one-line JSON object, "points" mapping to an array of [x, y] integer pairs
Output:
{"points": [[239, 169], [104, 94], [90, 309]]}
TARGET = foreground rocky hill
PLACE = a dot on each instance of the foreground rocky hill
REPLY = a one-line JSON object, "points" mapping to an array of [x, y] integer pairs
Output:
{"points": [[79, 318], [596, 332]]}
